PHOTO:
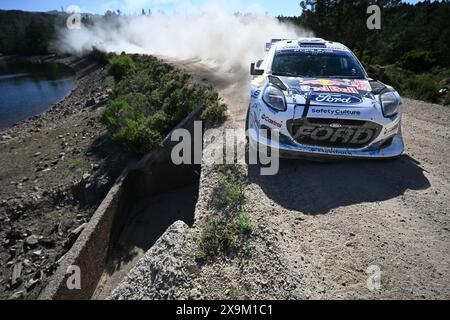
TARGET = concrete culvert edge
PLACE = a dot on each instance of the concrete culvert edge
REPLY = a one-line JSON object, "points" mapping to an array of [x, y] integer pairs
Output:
{"points": [[160, 271]]}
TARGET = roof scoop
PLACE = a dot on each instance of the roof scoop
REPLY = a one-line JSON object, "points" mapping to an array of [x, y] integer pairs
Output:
{"points": [[312, 43]]}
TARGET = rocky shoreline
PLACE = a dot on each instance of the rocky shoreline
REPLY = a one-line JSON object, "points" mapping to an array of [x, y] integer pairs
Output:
{"points": [[56, 168]]}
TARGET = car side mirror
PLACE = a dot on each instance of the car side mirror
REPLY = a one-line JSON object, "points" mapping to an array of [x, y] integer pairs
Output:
{"points": [[254, 71], [378, 74]]}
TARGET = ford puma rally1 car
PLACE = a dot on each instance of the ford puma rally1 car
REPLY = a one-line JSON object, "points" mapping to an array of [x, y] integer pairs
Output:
{"points": [[319, 97]]}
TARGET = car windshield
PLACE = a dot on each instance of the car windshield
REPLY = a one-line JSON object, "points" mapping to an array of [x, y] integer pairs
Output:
{"points": [[317, 65]]}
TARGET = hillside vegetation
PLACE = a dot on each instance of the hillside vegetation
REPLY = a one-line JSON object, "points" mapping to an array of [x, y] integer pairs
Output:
{"points": [[152, 97]]}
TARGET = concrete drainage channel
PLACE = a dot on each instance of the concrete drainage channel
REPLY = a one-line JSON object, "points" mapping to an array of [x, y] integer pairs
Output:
{"points": [[146, 199]]}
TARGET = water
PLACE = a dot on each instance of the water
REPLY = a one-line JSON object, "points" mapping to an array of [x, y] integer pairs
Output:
{"points": [[28, 89]]}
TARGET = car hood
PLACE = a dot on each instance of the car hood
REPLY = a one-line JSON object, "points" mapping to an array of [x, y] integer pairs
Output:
{"points": [[329, 92]]}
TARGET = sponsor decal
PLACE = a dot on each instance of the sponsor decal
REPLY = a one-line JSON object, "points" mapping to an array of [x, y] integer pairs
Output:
{"points": [[362, 85], [334, 89], [335, 98], [256, 93], [335, 86], [271, 121], [343, 135], [333, 151], [334, 112], [296, 50]]}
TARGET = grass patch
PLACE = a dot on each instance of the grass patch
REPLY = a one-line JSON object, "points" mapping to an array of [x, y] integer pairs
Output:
{"points": [[152, 97], [76, 164], [239, 292], [244, 224], [231, 189], [229, 233], [223, 236]]}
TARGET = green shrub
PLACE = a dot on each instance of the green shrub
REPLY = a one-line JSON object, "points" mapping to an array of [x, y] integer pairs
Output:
{"points": [[151, 100], [119, 66], [214, 113], [232, 185], [418, 61], [244, 223], [423, 88], [222, 236], [99, 55]]}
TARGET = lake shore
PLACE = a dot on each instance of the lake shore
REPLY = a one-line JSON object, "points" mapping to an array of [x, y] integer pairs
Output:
{"points": [[56, 168]]}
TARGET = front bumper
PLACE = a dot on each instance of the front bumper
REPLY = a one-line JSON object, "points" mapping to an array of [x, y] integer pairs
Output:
{"points": [[288, 148]]}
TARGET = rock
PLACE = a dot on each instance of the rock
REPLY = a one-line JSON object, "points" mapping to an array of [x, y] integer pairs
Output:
{"points": [[16, 274], [91, 102], [32, 283], [86, 176], [195, 294], [37, 253], [77, 231], [32, 241], [19, 295]]}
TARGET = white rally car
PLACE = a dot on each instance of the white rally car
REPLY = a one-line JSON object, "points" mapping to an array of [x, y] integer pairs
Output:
{"points": [[319, 98]]}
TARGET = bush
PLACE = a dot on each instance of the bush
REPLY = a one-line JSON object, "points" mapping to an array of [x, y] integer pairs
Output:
{"points": [[418, 61], [222, 236], [214, 113], [244, 224], [119, 66], [152, 98], [100, 56], [423, 87], [232, 186]]}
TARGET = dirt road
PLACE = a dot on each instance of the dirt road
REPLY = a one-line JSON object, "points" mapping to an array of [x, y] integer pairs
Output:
{"points": [[324, 229]]}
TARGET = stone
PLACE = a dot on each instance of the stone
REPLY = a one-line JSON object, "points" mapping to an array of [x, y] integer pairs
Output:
{"points": [[32, 241], [78, 230], [16, 274], [91, 102], [195, 294], [19, 295], [37, 253]]}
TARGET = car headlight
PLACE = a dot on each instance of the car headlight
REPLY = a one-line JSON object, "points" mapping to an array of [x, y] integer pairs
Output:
{"points": [[390, 103], [274, 98]]}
